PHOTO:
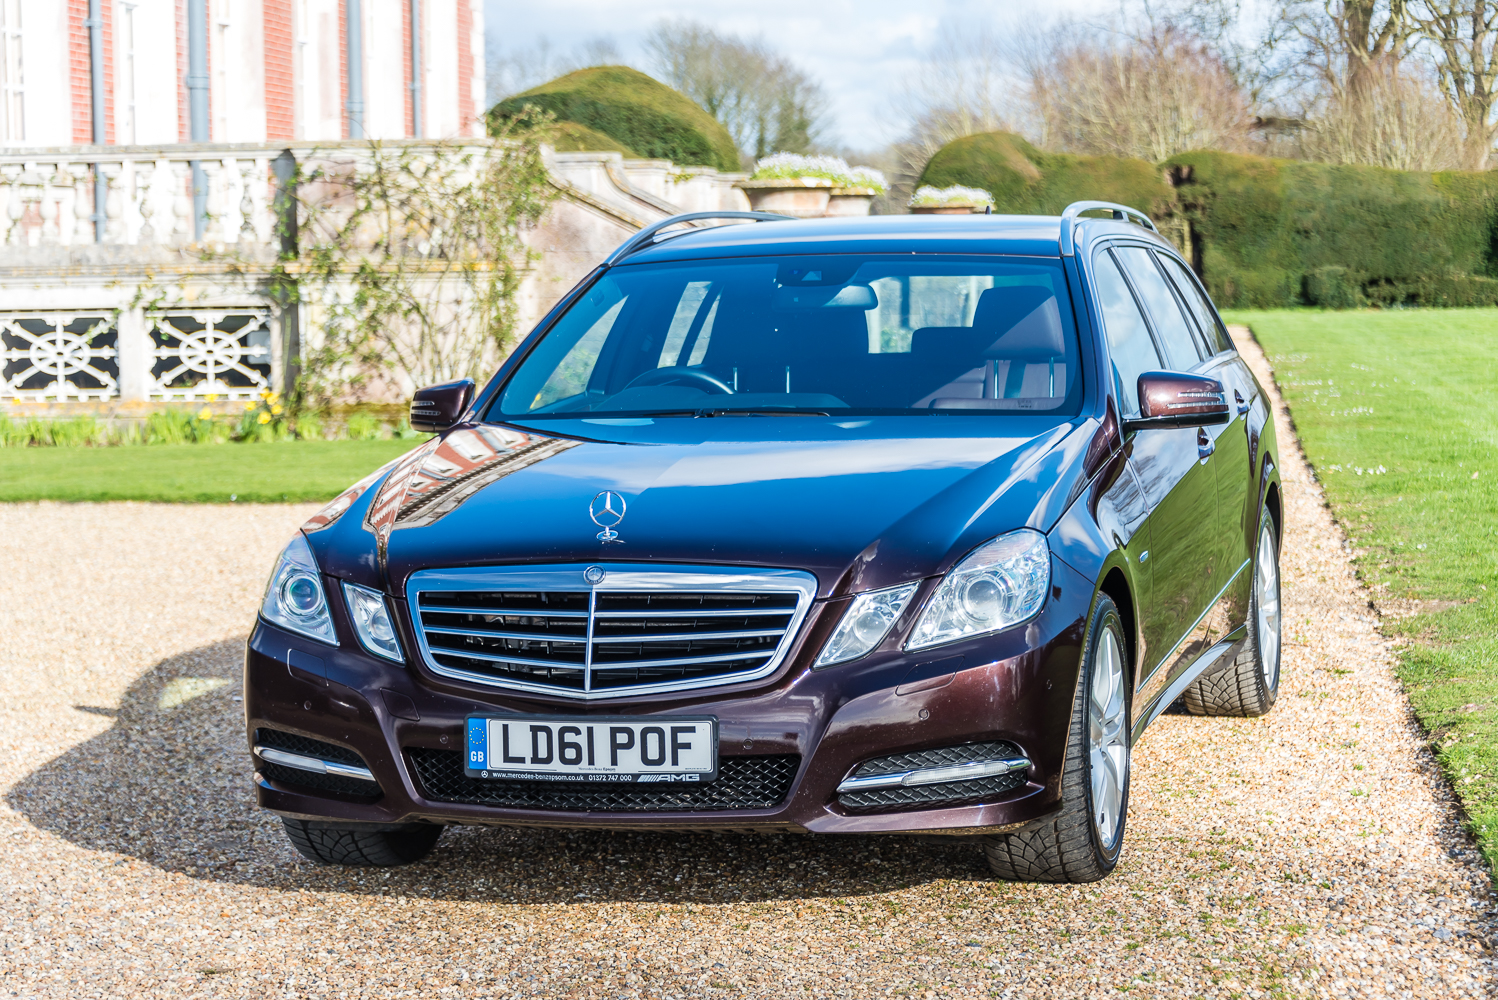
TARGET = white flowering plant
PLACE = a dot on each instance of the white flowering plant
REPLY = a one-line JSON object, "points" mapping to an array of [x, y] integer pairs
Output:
{"points": [[928, 196], [794, 166]]}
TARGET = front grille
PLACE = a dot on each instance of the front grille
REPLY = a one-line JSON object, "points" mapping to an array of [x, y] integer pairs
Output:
{"points": [[296, 777], [927, 796], [645, 630], [760, 782]]}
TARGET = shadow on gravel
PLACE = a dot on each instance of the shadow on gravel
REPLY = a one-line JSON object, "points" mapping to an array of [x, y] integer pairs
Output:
{"points": [[169, 784]]}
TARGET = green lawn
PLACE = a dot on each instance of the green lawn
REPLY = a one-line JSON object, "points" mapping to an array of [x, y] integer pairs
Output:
{"points": [[1410, 398], [199, 473]]}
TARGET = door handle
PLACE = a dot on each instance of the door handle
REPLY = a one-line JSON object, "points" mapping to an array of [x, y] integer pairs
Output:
{"points": [[1204, 444], [1242, 406]]}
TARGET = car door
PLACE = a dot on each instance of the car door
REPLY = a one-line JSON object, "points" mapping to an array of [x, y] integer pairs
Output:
{"points": [[1184, 535], [1178, 487], [1237, 495]]}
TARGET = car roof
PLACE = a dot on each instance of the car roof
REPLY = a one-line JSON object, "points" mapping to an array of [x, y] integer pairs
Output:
{"points": [[1026, 235]]}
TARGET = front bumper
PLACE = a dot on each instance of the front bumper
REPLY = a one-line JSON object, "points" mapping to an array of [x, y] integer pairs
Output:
{"points": [[1015, 687]]}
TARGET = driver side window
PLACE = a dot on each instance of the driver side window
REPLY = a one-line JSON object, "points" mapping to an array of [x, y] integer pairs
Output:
{"points": [[1129, 344]]}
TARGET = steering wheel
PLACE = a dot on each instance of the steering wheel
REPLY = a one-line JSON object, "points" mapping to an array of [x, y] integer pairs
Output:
{"points": [[681, 373]]}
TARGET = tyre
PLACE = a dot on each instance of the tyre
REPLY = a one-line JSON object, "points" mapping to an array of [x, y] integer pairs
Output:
{"points": [[1249, 683], [1082, 842], [362, 846]]}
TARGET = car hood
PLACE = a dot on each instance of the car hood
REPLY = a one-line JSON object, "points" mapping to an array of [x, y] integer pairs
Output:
{"points": [[859, 503]]}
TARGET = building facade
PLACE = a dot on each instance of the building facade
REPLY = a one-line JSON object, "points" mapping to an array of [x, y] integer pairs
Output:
{"points": [[277, 70]]}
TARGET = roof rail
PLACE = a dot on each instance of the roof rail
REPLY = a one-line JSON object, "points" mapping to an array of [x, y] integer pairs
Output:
{"points": [[648, 235], [1072, 215]]}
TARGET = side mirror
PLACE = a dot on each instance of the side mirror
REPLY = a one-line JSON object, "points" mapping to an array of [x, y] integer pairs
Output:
{"points": [[1175, 399], [438, 407]]}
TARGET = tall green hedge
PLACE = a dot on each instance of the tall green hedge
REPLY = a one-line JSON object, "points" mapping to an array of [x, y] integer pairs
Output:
{"points": [[635, 111], [1265, 232]]}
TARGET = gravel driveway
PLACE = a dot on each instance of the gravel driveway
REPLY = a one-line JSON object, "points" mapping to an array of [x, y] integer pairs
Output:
{"points": [[1314, 852]]}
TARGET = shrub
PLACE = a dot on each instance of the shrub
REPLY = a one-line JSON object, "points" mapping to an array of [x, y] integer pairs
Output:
{"points": [[639, 113], [570, 137], [362, 427]]}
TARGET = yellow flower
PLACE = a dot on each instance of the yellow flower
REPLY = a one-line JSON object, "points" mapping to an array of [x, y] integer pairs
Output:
{"points": [[276, 409], [273, 398], [249, 406], [211, 396], [265, 394], [205, 414], [265, 418]]}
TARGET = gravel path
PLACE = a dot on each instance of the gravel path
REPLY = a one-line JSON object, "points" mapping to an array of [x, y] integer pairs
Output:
{"points": [[1310, 853]]}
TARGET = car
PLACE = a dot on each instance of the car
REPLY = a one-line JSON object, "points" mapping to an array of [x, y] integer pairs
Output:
{"points": [[901, 525]]}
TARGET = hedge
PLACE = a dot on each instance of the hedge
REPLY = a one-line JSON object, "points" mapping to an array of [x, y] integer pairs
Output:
{"points": [[1265, 232], [636, 112], [574, 138]]}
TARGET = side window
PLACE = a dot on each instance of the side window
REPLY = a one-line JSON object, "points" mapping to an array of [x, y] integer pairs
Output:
{"points": [[1176, 336], [1129, 343], [1198, 305]]}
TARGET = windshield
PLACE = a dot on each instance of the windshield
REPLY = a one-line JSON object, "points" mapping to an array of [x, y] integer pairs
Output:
{"points": [[844, 334]]}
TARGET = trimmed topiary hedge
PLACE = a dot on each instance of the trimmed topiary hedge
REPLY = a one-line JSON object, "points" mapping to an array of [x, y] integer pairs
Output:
{"points": [[1265, 232], [574, 138], [636, 112]]}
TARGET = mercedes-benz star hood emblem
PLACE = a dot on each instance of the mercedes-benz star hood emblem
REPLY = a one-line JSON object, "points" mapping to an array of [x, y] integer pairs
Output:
{"points": [[607, 510]]}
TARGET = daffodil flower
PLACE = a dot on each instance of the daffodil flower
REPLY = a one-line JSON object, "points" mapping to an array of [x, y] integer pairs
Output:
{"points": [[265, 418]]}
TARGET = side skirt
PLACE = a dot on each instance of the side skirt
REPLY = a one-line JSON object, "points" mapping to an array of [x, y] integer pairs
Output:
{"points": [[1229, 647]]}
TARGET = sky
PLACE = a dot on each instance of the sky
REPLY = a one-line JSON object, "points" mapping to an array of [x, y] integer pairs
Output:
{"points": [[862, 51]]}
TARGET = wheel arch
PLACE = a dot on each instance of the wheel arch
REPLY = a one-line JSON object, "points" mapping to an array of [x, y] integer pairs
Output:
{"points": [[1116, 586]]}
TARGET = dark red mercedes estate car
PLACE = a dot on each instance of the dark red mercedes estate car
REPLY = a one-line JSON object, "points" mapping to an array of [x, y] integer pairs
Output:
{"points": [[905, 525]]}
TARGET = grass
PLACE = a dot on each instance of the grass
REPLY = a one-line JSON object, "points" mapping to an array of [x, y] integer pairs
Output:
{"points": [[1398, 413], [297, 471]]}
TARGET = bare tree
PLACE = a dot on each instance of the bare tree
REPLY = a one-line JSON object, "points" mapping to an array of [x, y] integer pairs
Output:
{"points": [[1152, 96], [1462, 36], [510, 72], [767, 104]]}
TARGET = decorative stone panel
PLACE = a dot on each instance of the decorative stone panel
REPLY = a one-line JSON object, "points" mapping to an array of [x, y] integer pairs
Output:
{"points": [[59, 357], [218, 354]]}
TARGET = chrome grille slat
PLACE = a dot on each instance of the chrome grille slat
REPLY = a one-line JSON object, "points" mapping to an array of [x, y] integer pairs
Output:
{"points": [[716, 625]]}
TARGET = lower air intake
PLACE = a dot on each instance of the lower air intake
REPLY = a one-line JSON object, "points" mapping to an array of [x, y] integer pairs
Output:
{"points": [[743, 783], [298, 779], [930, 796]]}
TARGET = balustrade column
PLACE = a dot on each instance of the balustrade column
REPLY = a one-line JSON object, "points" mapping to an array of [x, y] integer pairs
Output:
{"points": [[10, 217], [134, 355], [83, 202], [145, 176], [182, 228]]}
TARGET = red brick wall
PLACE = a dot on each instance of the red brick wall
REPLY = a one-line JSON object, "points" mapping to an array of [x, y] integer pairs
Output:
{"points": [[280, 121], [466, 114], [184, 122], [78, 67]]}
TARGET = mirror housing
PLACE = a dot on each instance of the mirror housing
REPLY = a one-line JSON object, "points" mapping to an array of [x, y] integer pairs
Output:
{"points": [[438, 407], [1178, 399]]}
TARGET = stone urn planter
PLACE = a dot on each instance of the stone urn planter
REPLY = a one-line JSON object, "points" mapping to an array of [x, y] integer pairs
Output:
{"points": [[802, 197], [849, 201]]}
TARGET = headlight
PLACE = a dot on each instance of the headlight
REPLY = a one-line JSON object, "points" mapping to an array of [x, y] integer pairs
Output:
{"points": [[997, 586], [294, 597], [865, 624], [371, 617]]}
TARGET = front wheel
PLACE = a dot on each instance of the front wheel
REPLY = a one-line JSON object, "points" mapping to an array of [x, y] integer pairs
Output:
{"points": [[1250, 682], [362, 845], [1083, 841]]}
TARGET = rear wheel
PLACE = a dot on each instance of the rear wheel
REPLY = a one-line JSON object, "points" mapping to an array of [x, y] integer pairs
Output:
{"points": [[1250, 682], [362, 846], [1082, 842]]}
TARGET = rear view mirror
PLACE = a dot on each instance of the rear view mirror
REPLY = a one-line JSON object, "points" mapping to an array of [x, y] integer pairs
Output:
{"points": [[1176, 399], [438, 407]]}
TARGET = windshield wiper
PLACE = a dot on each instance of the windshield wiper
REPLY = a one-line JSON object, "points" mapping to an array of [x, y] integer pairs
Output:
{"points": [[722, 411]]}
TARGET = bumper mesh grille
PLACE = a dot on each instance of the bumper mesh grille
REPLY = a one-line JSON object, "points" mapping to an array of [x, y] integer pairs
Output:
{"points": [[928, 796], [295, 777], [760, 782]]}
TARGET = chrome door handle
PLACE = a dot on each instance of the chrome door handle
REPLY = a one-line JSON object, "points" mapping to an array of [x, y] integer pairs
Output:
{"points": [[1204, 445], [1242, 406]]}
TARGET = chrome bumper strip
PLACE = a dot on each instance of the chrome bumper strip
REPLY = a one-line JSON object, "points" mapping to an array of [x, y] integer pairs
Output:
{"points": [[303, 763], [936, 775]]}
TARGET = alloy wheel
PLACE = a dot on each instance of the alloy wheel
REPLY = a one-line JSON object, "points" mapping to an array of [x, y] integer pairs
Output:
{"points": [[1267, 599], [1108, 739]]}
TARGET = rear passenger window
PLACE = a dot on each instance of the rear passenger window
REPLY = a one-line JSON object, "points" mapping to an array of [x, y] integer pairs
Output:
{"points": [[1197, 305], [1129, 343], [1176, 335]]}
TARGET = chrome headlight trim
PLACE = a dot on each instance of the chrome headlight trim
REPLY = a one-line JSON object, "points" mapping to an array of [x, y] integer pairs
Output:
{"points": [[373, 622], [294, 596], [1000, 584]]}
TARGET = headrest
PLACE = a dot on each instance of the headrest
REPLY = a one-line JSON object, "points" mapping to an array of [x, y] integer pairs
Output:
{"points": [[1025, 321]]}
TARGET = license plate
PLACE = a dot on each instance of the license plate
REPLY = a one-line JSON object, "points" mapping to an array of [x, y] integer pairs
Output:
{"points": [[557, 748]]}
